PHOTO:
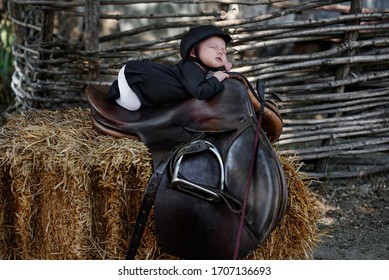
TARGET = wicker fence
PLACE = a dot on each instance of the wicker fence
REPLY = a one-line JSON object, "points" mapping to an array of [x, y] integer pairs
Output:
{"points": [[324, 62]]}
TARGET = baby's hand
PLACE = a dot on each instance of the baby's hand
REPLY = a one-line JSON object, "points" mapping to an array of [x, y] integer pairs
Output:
{"points": [[228, 66], [220, 75]]}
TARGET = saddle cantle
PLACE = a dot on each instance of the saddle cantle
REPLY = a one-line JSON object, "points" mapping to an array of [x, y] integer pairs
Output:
{"points": [[201, 154]]}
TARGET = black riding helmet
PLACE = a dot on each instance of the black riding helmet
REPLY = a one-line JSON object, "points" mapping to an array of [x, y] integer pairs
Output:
{"points": [[196, 35]]}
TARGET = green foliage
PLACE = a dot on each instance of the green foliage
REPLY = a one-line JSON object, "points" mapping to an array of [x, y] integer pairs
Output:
{"points": [[7, 37]]}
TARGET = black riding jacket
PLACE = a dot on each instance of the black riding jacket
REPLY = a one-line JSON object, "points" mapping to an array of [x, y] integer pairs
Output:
{"points": [[157, 84]]}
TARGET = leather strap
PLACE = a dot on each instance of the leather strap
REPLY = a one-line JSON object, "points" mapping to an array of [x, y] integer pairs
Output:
{"points": [[261, 94], [144, 211]]}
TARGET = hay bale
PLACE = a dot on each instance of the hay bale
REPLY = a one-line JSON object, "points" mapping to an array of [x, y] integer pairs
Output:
{"points": [[71, 188], [68, 192]]}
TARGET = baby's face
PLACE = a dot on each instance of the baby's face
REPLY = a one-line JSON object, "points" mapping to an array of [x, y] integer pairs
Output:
{"points": [[213, 52]]}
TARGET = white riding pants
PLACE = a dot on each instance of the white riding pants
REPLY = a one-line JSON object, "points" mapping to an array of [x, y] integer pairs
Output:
{"points": [[128, 98]]}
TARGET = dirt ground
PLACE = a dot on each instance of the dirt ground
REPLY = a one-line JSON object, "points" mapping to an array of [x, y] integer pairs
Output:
{"points": [[356, 219]]}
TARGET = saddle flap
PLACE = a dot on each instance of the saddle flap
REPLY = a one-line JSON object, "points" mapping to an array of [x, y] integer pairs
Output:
{"points": [[197, 218], [191, 223]]}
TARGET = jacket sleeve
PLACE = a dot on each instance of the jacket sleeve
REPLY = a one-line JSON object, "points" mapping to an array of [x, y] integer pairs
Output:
{"points": [[194, 80]]}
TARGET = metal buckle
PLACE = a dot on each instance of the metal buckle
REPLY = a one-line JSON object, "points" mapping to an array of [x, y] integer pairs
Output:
{"points": [[193, 188]]}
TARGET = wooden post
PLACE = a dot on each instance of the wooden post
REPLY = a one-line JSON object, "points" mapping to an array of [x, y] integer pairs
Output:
{"points": [[46, 35], [341, 73], [92, 16]]}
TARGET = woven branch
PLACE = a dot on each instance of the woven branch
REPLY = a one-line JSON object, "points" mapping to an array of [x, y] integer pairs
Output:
{"points": [[350, 148], [333, 97], [299, 24], [241, 2], [335, 133], [333, 83]]}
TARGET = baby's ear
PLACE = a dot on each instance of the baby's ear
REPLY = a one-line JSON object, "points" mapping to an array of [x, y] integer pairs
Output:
{"points": [[192, 52]]}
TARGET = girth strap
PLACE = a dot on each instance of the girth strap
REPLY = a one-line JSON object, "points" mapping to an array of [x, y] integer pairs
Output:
{"points": [[144, 211]]}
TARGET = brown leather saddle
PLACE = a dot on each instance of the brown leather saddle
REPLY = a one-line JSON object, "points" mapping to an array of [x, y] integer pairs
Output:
{"points": [[201, 155]]}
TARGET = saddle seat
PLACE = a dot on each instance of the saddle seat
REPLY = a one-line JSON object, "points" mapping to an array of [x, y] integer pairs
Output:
{"points": [[164, 128], [118, 122]]}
